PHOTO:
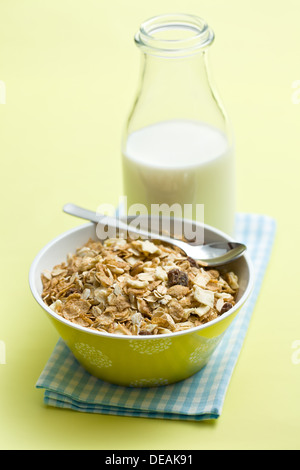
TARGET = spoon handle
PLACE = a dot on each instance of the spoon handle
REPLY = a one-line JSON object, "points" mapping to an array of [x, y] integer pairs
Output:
{"points": [[77, 211], [82, 213]]}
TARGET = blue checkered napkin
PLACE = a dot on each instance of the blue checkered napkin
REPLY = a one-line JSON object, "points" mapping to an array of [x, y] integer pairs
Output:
{"points": [[67, 385]]}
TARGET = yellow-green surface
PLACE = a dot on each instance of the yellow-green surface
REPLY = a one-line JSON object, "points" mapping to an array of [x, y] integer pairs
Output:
{"points": [[70, 69]]}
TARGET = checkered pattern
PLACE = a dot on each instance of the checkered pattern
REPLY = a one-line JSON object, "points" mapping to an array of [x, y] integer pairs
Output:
{"points": [[67, 385]]}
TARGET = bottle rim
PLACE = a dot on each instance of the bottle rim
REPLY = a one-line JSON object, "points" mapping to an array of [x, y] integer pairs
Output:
{"points": [[162, 35]]}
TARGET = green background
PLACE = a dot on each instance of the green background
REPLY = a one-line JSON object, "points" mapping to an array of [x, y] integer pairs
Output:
{"points": [[71, 70]]}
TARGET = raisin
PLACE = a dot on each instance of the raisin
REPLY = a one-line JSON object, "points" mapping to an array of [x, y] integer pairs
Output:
{"points": [[72, 290], [193, 262], [227, 306], [177, 277], [137, 268]]}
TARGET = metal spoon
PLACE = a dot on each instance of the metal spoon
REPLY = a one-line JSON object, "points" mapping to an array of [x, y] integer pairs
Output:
{"points": [[213, 254]]}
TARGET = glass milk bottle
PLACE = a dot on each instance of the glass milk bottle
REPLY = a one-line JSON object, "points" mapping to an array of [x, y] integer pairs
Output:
{"points": [[177, 147]]}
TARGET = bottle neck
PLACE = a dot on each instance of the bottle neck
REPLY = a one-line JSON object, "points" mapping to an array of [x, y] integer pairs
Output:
{"points": [[175, 78], [177, 88], [176, 74], [170, 81], [173, 36]]}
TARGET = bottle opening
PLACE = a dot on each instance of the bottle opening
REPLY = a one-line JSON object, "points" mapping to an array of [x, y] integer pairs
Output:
{"points": [[174, 35]]}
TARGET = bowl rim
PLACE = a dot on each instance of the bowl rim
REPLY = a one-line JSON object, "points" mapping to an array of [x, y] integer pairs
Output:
{"points": [[56, 316]]}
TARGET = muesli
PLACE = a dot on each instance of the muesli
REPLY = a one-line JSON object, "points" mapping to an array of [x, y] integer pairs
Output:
{"points": [[136, 287]]}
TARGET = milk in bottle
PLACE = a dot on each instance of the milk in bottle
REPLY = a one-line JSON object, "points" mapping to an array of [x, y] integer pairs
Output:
{"points": [[181, 161]]}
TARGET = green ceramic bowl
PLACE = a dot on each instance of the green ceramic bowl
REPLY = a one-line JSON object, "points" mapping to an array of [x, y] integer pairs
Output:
{"points": [[140, 361]]}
